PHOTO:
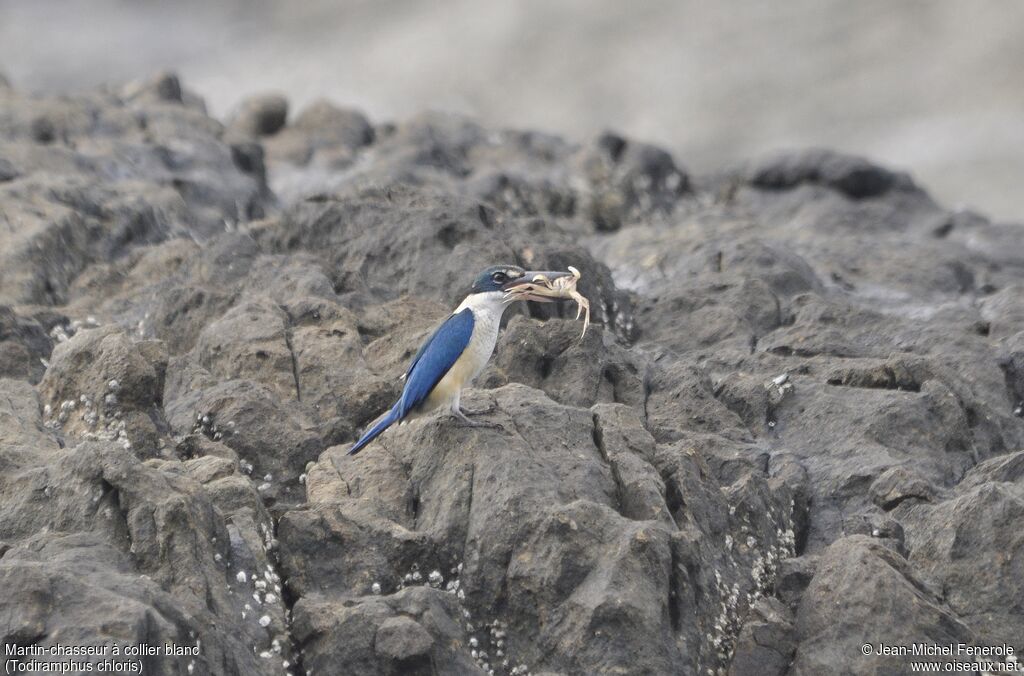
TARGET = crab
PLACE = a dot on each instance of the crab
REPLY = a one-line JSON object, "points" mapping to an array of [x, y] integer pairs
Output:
{"points": [[543, 289]]}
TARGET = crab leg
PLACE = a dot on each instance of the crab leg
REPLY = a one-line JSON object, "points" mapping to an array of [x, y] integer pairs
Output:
{"points": [[541, 288]]}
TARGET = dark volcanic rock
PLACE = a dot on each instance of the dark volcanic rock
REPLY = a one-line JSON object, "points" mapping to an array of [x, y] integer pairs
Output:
{"points": [[24, 346], [793, 428], [102, 548], [766, 643], [855, 177], [100, 175], [260, 115], [971, 545], [864, 593]]}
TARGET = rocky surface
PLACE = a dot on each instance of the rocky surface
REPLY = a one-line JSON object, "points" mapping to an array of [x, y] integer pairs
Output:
{"points": [[794, 427]]}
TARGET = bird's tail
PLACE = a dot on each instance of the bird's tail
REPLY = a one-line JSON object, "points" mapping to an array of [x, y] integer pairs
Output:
{"points": [[369, 435]]}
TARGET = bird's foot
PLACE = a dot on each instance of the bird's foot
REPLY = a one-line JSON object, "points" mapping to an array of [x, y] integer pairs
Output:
{"points": [[480, 411], [462, 421]]}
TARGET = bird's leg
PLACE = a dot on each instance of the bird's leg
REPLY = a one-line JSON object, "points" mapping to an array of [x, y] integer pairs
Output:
{"points": [[463, 421], [479, 411]]}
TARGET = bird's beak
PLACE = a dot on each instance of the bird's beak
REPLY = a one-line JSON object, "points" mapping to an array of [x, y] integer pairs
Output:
{"points": [[528, 278]]}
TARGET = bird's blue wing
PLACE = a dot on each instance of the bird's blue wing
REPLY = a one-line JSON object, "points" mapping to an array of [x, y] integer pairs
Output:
{"points": [[434, 359]]}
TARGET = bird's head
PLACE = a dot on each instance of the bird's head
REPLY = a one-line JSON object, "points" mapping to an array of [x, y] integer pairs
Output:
{"points": [[498, 279]]}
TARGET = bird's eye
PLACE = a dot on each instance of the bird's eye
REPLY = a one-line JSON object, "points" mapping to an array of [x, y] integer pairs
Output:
{"points": [[499, 277]]}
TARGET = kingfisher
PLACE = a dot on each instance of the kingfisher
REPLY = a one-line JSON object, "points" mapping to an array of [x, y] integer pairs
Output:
{"points": [[458, 350]]}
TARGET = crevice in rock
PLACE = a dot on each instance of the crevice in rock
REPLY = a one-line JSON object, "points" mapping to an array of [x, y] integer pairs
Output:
{"points": [[598, 436], [881, 379], [337, 470], [673, 498], [469, 508], [646, 380], [414, 505], [291, 351], [545, 366], [1014, 381], [288, 599], [673, 591]]}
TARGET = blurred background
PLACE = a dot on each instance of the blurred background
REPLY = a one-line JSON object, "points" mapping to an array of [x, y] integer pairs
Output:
{"points": [[935, 87]]}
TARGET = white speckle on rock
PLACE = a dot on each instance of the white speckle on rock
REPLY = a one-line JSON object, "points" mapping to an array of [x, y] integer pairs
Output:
{"points": [[240, 576], [265, 621], [375, 588]]}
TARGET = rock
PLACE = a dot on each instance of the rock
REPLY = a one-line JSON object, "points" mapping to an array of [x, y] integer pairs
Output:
{"points": [[103, 385], [24, 346], [794, 418], [551, 356], [766, 643], [794, 577], [8, 172], [276, 438], [629, 181], [888, 530], [863, 593], [107, 549], [347, 126], [897, 484], [262, 115], [548, 513], [402, 639], [162, 88], [321, 131], [250, 341], [970, 545], [114, 176], [415, 631], [853, 176]]}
